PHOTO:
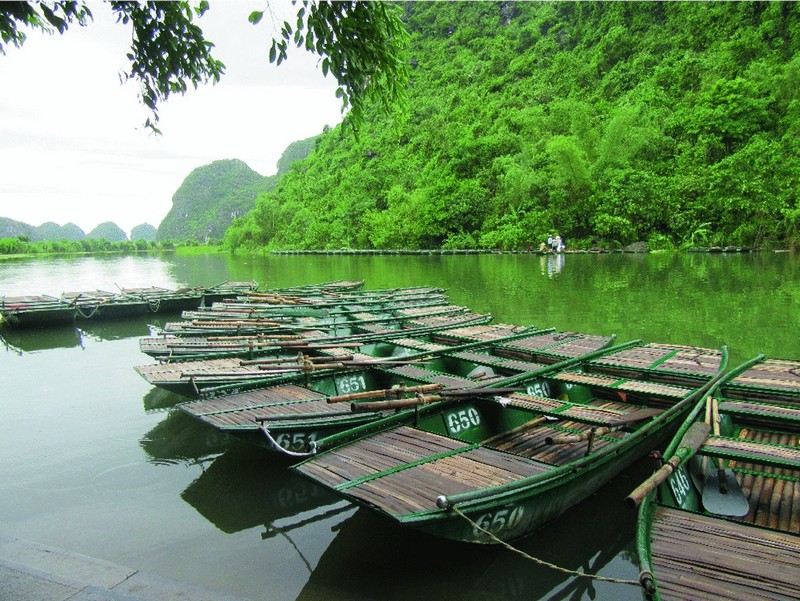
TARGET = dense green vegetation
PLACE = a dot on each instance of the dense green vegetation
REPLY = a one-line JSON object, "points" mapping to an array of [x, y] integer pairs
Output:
{"points": [[674, 123], [23, 246]]}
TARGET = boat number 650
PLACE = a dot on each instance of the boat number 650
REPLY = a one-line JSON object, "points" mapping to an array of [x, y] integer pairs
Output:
{"points": [[464, 419], [498, 521]]}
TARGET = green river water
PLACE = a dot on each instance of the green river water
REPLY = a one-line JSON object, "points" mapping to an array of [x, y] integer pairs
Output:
{"points": [[93, 460]]}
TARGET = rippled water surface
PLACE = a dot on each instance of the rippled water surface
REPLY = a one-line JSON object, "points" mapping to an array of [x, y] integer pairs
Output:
{"points": [[94, 460]]}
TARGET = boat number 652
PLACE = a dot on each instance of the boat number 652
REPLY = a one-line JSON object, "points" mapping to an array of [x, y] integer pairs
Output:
{"points": [[464, 419], [679, 484]]}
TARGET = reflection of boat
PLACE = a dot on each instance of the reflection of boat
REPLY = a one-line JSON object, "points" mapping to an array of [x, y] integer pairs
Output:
{"points": [[597, 538], [178, 438], [292, 416], [473, 467], [244, 488], [119, 329], [38, 339], [722, 517]]}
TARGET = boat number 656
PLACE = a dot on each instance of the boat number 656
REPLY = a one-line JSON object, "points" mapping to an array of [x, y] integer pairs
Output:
{"points": [[464, 419]]}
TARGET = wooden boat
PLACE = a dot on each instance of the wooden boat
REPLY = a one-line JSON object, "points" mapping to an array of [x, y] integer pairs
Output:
{"points": [[293, 361], [131, 302], [168, 348], [296, 415], [721, 518], [471, 468], [226, 290], [34, 311], [338, 325]]}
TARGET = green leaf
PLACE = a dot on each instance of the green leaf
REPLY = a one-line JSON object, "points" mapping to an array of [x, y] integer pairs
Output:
{"points": [[256, 16]]}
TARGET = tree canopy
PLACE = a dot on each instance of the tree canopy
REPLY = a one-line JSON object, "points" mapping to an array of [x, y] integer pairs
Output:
{"points": [[361, 43]]}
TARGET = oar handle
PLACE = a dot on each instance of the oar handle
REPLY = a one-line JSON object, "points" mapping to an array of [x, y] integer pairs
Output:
{"points": [[695, 436], [420, 399]]}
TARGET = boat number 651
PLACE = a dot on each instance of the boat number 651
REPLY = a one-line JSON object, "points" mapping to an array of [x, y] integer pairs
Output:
{"points": [[350, 384], [464, 419]]}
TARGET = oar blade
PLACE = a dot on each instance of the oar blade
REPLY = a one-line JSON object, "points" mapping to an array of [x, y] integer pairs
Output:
{"points": [[732, 502]]}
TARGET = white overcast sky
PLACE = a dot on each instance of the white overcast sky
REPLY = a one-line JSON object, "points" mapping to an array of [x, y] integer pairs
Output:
{"points": [[72, 145]]}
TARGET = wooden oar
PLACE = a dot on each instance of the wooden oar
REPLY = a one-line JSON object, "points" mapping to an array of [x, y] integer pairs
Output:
{"points": [[722, 494], [695, 436], [394, 391], [614, 422], [422, 399]]}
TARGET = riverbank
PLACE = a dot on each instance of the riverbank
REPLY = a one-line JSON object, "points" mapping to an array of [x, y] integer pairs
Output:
{"points": [[33, 572]]}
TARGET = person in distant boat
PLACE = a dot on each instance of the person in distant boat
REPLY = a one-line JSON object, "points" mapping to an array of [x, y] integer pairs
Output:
{"points": [[558, 244], [550, 242]]}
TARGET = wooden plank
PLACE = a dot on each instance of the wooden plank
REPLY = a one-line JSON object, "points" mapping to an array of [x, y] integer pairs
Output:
{"points": [[703, 557]]}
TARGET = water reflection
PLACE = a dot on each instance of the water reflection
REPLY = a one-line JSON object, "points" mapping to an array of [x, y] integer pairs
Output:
{"points": [[181, 439], [30, 340], [245, 488], [551, 264]]}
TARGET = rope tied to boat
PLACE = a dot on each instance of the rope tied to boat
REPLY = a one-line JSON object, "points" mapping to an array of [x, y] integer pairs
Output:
{"points": [[539, 561]]}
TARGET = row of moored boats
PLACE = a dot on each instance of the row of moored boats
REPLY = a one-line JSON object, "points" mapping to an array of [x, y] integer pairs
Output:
{"points": [[445, 421]]}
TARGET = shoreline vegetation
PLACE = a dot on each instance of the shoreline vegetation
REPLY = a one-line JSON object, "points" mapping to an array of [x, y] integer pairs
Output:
{"points": [[11, 249]]}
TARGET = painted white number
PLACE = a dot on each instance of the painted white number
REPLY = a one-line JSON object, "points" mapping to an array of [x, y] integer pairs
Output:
{"points": [[538, 389], [499, 521], [295, 441], [350, 384], [679, 484], [458, 421]]}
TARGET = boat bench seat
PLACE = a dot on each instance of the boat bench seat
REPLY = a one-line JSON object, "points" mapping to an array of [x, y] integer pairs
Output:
{"points": [[625, 384], [577, 412], [750, 451], [766, 410]]}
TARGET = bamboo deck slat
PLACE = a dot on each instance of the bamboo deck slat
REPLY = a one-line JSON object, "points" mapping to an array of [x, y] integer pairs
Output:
{"points": [[428, 375], [244, 408], [753, 451], [558, 344], [780, 414], [698, 558], [776, 374], [678, 360], [378, 453], [773, 492], [369, 469]]}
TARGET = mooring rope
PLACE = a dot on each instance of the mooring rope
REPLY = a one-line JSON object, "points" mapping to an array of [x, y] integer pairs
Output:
{"points": [[542, 562]]}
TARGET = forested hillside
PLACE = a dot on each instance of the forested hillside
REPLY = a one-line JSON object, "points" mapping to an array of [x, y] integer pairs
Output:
{"points": [[670, 122], [210, 198]]}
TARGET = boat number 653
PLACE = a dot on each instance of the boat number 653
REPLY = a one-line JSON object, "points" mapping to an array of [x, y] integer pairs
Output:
{"points": [[463, 419], [679, 484]]}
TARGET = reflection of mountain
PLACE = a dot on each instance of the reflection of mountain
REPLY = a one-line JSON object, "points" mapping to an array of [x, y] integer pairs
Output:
{"points": [[181, 438], [40, 339], [371, 558], [245, 487]]}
